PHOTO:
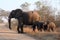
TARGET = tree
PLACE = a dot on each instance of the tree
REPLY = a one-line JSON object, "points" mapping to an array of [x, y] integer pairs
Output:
{"points": [[38, 4], [46, 13], [58, 17], [1, 20], [25, 6]]}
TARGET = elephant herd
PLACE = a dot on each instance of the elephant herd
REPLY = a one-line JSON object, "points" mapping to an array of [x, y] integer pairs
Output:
{"points": [[46, 26], [29, 18]]}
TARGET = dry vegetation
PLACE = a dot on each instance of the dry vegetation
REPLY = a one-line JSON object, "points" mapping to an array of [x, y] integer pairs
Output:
{"points": [[40, 35], [46, 13]]}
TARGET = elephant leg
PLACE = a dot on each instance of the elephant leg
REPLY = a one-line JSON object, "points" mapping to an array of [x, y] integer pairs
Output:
{"points": [[48, 29], [38, 28], [34, 27], [21, 28], [41, 29], [19, 25], [45, 29], [18, 28], [52, 29]]}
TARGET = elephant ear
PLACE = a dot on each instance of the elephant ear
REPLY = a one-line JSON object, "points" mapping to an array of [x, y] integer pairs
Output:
{"points": [[12, 14], [18, 13]]}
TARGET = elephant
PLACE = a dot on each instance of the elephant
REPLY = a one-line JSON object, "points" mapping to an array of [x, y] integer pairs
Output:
{"points": [[13, 14], [51, 26], [46, 26], [24, 18], [39, 25]]}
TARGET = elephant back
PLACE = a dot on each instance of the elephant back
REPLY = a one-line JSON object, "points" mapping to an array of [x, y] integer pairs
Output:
{"points": [[52, 24], [34, 16]]}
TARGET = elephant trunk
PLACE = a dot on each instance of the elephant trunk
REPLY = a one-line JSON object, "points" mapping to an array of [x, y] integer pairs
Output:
{"points": [[9, 21]]}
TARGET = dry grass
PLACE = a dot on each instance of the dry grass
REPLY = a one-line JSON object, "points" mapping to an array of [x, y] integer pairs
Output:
{"points": [[41, 35]]}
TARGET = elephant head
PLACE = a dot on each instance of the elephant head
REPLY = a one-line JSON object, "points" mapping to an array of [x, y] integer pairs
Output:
{"points": [[14, 14]]}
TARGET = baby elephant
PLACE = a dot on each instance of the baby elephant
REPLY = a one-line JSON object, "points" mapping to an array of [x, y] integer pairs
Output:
{"points": [[51, 26], [39, 25], [46, 26]]}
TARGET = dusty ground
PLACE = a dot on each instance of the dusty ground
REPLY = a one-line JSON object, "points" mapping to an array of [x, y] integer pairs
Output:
{"points": [[6, 34], [41, 35]]}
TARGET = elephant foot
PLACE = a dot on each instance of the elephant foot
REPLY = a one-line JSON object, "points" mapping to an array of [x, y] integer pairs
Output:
{"points": [[34, 30], [21, 32], [10, 28]]}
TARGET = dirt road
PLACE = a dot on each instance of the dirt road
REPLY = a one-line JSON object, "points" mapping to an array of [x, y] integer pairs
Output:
{"points": [[6, 34]]}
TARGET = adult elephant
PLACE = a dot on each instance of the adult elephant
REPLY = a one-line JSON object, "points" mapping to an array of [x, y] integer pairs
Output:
{"points": [[24, 18]]}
